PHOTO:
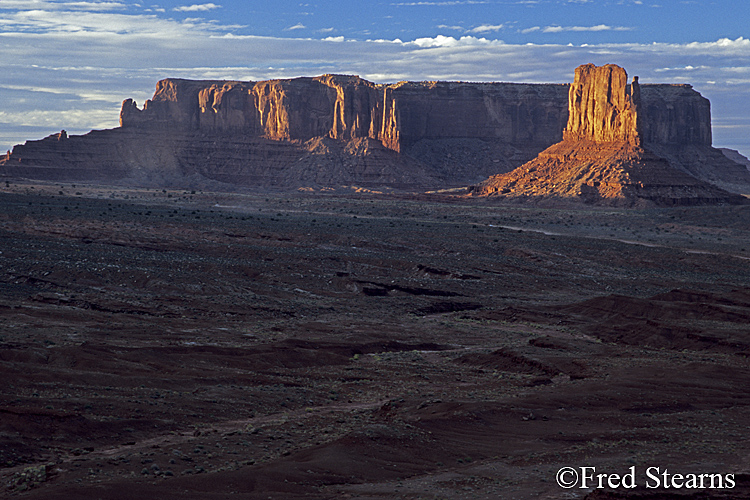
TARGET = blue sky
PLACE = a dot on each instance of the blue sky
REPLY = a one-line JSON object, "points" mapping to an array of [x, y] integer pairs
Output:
{"points": [[69, 64]]}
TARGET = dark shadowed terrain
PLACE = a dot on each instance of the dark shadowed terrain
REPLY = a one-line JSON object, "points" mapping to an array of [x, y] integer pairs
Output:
{"points": [[189, 345]]}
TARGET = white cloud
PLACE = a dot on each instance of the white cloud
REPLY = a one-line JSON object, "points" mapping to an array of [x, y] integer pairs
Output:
{"points": [[25, 23], [47, 5], [454, 28], [737, 69], [204, 7], [598, 27], [89, 95], [682, 68], [440, 4], [724, 44], [449, 41], [73, 118], [298, 26], [486, 28]]}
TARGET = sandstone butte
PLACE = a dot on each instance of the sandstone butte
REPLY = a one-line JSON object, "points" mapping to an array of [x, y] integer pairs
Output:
{"points": [[609, 152], [337, 130]]}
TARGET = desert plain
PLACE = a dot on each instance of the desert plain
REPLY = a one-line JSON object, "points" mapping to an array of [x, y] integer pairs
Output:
{"points": [[181, 344]]}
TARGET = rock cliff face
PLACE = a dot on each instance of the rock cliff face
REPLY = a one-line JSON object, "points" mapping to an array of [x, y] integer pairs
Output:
{"points": [[602, 107], [348, 107], [342, 130], [608, 154], [674, 115], [341, 107], [310, 132], [402, 114]]}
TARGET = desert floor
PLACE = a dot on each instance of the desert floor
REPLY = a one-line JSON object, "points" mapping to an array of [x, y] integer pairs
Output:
{"points": [[193, 345]]}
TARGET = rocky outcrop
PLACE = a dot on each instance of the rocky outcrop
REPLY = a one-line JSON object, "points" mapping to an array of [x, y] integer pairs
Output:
{"points": [[511, 113], [736, 157], [342, 130], [342, 107], [402, 114], [96, 156], [611, 173], [674, 115], [602, 107], [409, 135], [608, 154], [348, 107]]}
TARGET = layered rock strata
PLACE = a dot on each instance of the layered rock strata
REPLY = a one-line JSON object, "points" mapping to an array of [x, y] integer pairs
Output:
{"points": [[343, 130], [327, 131], [609, 154], [348, 107]]}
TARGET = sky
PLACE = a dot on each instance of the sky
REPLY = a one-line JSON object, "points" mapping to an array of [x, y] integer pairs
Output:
{"points": [[69, 64]]}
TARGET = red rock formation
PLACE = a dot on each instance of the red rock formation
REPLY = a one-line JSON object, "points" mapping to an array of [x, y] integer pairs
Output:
{"points": [[600, 108], [403, 114], [601, 158], [348, 107], [604, 172], [420, 135]]}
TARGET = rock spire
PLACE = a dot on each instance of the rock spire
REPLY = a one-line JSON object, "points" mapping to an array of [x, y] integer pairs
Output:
{"points": [[602, 158], [602, 107]]}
